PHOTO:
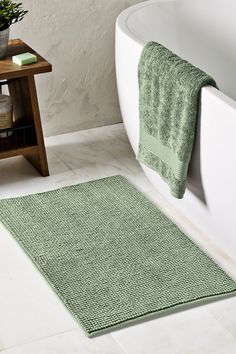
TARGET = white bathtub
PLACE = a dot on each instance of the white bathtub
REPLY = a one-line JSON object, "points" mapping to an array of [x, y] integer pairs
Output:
{"points": [[197, 31]]}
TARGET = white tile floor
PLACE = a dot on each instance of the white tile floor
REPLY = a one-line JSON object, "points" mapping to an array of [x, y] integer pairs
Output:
{"points": [[32, 319]]}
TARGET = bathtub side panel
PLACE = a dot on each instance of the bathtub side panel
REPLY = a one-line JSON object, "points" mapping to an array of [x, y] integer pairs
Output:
{"points": [[218, 163], [209, 199]]}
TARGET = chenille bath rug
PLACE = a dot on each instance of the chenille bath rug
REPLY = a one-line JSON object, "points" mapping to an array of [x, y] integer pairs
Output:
{"points": [[110, 254]]}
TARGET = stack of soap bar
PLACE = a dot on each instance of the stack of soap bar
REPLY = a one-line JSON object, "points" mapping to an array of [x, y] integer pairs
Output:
{"points": [[24, 59]]}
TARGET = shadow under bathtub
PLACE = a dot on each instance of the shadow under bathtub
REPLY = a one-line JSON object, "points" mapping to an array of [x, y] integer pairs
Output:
{"points": [[194, 180]]}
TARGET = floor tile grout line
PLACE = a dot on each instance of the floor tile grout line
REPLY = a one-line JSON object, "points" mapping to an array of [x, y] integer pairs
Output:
{"points": [[221, 324], [38, 339], [119, 344]]}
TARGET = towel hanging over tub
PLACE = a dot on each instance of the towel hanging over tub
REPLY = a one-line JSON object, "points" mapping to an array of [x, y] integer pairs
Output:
{"points": [[169, 90]]}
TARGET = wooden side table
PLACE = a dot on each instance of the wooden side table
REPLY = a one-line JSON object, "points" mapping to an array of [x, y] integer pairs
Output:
{"points": [[26, 136]]}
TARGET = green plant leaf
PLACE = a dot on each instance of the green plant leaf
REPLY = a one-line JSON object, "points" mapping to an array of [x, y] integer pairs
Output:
{"points": [[10, 13]]}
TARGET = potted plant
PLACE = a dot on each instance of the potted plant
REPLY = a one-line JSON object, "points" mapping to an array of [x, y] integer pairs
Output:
{"points": [[10, 13]]}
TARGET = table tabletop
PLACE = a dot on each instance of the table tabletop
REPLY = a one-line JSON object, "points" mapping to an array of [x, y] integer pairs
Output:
{"points": [[9, 70]]}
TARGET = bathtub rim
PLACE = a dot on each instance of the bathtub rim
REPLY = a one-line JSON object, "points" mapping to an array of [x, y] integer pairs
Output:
{"points": [[122, 25]]}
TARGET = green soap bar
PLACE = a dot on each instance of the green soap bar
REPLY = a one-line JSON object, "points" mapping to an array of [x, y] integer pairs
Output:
{"points": [[24, 59]]}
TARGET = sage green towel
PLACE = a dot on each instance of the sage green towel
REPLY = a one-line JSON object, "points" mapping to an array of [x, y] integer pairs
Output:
{"points": [[169, 89]]}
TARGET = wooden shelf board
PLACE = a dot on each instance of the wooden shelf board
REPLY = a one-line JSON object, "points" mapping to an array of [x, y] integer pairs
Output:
{"points": [[18, 152], [9, 70]]}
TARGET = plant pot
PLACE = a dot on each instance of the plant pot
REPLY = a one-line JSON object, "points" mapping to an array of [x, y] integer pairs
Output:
{"points": [[4, 38]]}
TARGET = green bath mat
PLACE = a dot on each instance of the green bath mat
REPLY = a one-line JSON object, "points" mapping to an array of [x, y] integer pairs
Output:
{"points": [[109, 254]]}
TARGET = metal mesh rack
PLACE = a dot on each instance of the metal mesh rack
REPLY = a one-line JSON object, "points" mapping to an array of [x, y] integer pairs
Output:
{"points": [[19, 136]]}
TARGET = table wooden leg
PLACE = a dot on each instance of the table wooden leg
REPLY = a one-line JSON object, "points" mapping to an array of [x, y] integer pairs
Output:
{"points": [[25, 103]]}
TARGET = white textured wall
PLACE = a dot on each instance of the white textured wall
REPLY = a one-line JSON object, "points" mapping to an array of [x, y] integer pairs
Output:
{"points": [[77, 37]]}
